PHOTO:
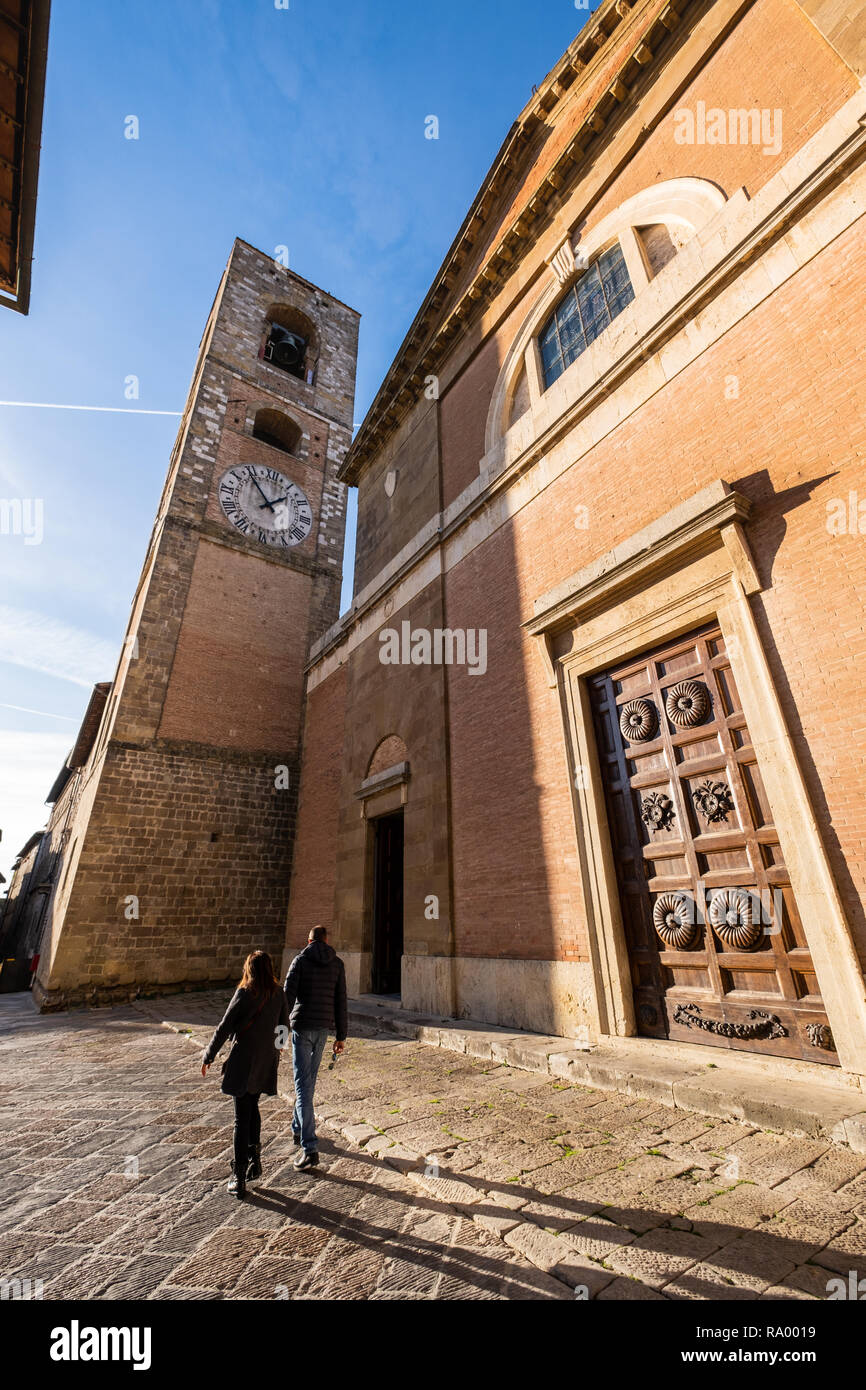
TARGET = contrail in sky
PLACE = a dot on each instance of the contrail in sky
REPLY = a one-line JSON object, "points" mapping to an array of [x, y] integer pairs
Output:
{"points": [[105, 409], [45, 713]]}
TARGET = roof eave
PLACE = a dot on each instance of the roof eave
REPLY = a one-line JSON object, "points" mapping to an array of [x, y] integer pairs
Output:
{"points": [[37, 61]]}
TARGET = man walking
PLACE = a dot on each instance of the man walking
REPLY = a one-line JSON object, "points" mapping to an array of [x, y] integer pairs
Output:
{"points": [[316, 994]]}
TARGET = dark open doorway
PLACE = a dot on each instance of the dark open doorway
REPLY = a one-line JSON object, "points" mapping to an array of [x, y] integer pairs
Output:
{"points": [[387, 903]]}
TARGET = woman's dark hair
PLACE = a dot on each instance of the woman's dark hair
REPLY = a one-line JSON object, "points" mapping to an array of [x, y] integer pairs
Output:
{"points": [[258, 974]]}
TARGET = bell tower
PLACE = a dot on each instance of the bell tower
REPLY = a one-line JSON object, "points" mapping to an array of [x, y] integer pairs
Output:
{"points": [[178, 854]]}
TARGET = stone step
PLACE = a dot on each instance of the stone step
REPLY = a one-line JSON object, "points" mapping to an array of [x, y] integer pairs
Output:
{"points": [[797, 1098]]}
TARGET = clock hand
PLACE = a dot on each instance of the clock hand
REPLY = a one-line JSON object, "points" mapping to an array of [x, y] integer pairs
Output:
{"points": [[276, 502], [267, 503]]}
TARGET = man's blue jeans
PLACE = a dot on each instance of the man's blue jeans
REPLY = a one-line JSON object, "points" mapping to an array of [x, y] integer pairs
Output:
{"points": [[307, 1048]]}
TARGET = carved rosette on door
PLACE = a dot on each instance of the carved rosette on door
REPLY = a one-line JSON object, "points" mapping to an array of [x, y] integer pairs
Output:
{"points": [[638, 721], [734, 919], [716, 947], [674, 921]]}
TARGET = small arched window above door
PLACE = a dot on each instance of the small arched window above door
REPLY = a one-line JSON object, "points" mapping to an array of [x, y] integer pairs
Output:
{"points": [[390, 752]]}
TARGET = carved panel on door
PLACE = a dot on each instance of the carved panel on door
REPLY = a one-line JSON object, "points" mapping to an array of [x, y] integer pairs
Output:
{"points": [[716, 946]]}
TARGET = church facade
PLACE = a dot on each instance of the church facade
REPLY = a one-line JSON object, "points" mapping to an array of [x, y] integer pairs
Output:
{"points": [[583, 756], [579, 758]]}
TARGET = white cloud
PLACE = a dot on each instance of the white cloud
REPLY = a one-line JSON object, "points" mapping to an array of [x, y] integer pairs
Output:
{"points": [[29, 764], [56, 648]]}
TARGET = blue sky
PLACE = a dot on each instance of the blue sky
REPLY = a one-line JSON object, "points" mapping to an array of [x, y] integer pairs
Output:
{"points": [[301, 127]]}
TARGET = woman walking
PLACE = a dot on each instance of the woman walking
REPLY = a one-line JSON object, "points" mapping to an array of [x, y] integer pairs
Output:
{"points": [[258, 1020]]}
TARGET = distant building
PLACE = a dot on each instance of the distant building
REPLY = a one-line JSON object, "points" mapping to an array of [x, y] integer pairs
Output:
{"points": [[29, 904], [23, 56], [22, 914]]}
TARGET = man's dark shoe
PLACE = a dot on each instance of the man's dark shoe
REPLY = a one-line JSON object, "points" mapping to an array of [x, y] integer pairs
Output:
{"points": [[237, 1184], [306, 1160], [254, 1167]]}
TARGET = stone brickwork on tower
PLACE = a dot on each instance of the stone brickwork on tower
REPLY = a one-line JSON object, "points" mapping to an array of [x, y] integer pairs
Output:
{"points": [[178, 854]]}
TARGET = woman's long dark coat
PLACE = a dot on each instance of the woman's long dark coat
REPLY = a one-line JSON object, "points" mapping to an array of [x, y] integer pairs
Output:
{"points": [[255, 1057]]}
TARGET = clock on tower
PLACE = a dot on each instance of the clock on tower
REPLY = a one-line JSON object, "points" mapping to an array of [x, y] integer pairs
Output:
{"points": [[265, 505]]}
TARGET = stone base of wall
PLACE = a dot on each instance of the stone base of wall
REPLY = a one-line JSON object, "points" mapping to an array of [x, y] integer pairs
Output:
{"points": [[541, 996], [55, 1000]]}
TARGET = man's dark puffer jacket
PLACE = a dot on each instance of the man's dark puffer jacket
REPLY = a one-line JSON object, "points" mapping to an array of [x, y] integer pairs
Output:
{"points": [[316, 990]]}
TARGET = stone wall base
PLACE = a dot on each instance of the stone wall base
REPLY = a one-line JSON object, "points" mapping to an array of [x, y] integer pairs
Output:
{"points": [[541, 996], [96, 997]]}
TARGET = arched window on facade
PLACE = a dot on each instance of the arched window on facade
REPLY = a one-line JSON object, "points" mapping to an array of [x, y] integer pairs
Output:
{"points": [[279, 430], [594, 277], [585, 310]]}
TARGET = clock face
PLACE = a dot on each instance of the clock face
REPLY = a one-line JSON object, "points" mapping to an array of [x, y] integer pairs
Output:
{"points": [[264, 505]]}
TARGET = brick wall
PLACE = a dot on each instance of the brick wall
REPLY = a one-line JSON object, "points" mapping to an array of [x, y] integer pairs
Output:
{"points": [[789, 433], [773, 60], [204, 845], [238, 667], [387, 523], [793, 440], [314, 866]]}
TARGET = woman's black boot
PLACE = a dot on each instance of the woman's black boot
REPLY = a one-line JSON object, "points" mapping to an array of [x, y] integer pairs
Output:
{"points": [[237, 1184], [254, 1167]]}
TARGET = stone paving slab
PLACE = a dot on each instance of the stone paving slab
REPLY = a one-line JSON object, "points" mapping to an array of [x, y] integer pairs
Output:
{"points": [[116, 1161], [548, 1190], [799, 1098]]}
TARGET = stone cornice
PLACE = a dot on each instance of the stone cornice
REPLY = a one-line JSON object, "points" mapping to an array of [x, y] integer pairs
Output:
{"points": [[383, 781], [432, 332]]}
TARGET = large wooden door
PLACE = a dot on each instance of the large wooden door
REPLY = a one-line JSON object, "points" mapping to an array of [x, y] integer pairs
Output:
{"points": [[716, 945]]}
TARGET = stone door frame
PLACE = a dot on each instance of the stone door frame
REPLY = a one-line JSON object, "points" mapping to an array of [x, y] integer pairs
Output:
{"points": [[690, 567]]}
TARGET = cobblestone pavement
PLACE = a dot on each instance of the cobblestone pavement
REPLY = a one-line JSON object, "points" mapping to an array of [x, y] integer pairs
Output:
{"points": [[443, 1177]]}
